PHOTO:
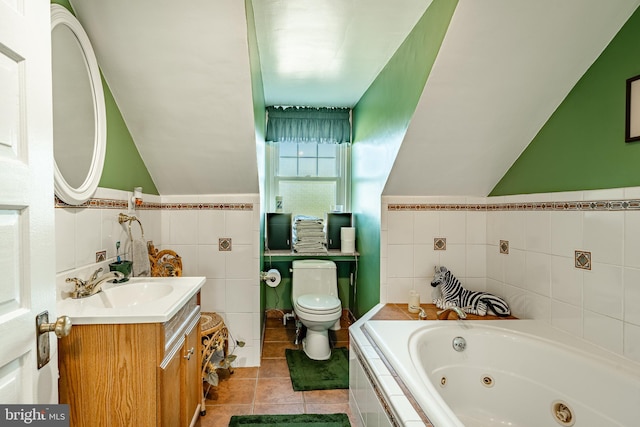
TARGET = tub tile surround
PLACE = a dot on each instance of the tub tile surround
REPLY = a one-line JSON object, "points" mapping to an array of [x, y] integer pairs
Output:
{"points": [[379, 395], [189, 225], [374, 394], [538, 276]]}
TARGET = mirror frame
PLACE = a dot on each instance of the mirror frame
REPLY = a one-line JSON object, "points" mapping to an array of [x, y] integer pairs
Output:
{"points": [[68, 194]]}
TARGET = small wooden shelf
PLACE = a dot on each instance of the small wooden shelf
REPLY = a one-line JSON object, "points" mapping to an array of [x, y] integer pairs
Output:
{"points": [[333, 254]]}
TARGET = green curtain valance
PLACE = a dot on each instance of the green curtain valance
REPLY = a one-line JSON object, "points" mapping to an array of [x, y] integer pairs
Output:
{"points": [[307, 124]]}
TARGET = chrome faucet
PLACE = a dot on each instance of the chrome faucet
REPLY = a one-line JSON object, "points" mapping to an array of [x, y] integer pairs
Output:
{"points": [[93, 285], [444, 314], [422, 315]]}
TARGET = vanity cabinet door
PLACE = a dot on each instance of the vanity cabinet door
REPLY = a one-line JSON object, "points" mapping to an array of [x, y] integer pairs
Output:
{"points": [[192, 393], [169, 390]]}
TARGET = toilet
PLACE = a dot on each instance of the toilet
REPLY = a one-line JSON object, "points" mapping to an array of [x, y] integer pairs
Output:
{"points": [[314, 296]]}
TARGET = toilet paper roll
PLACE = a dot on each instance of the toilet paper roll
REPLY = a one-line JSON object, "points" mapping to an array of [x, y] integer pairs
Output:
{"points": [[272, 278], [347, 246], [348, 233]]}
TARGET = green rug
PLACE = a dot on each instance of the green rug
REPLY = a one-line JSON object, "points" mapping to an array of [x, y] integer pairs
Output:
{"points": [[298, 420], [307, 374]]}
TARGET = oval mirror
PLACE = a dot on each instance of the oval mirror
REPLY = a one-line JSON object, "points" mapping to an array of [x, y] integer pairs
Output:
{"points": [[79, 117]]}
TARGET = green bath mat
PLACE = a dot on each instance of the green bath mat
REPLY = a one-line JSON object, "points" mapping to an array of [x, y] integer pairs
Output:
{"points": [[298, 420], [307, 374]]}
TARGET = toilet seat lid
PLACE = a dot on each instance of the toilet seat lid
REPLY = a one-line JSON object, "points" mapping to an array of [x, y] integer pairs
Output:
{"points": [[318, 302]]}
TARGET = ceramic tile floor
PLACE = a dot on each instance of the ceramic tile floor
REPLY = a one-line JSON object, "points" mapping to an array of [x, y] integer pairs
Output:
{"points": [[267, 389]]}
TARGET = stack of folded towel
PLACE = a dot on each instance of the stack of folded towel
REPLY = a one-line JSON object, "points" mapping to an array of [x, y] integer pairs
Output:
{"points": [[308, 234]]}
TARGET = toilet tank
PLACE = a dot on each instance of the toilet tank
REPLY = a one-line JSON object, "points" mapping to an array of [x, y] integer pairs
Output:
{"points": [[314, 276]]}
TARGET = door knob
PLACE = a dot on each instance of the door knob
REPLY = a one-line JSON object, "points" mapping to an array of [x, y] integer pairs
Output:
{"points": [[62, 327]]}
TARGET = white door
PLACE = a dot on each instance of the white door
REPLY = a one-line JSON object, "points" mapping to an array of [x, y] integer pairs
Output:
{"points": [[27, 258]]}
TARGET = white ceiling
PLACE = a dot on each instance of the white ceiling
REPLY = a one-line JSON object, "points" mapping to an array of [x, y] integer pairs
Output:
{"points": [[326, 53], [180, 74]]}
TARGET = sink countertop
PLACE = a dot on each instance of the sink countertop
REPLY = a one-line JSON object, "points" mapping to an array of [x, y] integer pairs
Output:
{"points": [[92, 310]]}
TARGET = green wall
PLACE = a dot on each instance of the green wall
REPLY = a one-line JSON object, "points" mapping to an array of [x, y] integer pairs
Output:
{"points": [[64, 3], [380, 121], [259, 116], [123, 166], [582, 147], [280, 297]]}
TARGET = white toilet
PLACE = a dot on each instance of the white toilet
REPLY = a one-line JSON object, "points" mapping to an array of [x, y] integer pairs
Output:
{"points": [[314, 296]]}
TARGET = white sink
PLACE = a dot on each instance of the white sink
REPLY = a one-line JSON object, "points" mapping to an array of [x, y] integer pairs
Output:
{"points": [[129, 295], [140, 300]]}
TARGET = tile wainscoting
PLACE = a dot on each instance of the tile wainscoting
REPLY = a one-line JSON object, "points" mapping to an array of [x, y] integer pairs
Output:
{"points": [[190, 225], [571, 259]]}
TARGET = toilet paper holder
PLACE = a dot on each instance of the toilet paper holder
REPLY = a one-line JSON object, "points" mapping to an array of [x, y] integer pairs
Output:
{"points": [[271, 278]]}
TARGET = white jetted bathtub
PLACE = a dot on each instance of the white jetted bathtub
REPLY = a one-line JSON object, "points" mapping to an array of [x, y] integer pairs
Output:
{"points": [[518, 373]]}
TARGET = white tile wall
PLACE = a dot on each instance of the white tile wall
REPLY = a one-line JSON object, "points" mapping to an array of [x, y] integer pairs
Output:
{"points": [[232, 286], [81, 232], [538, 276], [603, 290], [407, 255]]}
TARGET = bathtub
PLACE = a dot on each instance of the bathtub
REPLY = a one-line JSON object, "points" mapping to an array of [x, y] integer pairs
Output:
{"points": [[509, 373]]}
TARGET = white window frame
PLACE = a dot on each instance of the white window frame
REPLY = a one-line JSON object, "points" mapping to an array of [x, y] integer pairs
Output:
{"points": [[343, 180]]}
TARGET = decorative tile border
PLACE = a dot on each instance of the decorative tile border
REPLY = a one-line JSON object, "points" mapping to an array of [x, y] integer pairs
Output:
{"points": [[435, 207], [207, 206], [124, 204], [591, 205], [94, 204]]}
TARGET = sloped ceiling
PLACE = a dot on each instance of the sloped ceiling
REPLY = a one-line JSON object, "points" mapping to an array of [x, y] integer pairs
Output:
{"points": [[180, 74], [503, 68]]}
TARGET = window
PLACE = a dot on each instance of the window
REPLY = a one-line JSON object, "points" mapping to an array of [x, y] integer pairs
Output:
{"points": [[311, 177]]}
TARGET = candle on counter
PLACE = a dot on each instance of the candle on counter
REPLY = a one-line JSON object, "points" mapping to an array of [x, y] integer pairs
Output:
{"points": [[414, 301]]}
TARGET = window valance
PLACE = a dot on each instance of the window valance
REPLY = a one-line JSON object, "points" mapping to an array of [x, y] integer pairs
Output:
{"points": [[308, 124]]}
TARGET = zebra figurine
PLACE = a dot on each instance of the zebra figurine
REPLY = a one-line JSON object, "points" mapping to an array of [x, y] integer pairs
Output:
{"points": [[472, 302]]}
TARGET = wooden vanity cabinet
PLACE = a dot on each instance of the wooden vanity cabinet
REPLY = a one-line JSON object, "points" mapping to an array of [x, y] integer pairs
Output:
{"points": [[192, 375], [179, 380], [169, 391], [142, 374]]}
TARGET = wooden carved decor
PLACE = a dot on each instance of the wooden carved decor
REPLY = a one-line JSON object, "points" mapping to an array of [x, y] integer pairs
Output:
{"points": [[164, 263]]}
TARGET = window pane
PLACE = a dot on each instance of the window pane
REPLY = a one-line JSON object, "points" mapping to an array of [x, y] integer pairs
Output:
{"points": [[307, 167], [288, 149], [327, 167], [304, 195], [308, 149], [288, 167], [327, 150], [308, 197]]}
